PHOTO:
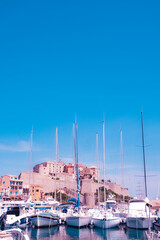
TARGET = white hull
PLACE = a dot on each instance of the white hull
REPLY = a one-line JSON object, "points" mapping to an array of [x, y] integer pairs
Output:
{"points": [[78, 221], [20, 221], [106, 223], [43, 221], [139, 222], [12, 234]]}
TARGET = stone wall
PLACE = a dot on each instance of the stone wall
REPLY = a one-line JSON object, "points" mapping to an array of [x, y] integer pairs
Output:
{"points": [[67, 181], [48, 182]]}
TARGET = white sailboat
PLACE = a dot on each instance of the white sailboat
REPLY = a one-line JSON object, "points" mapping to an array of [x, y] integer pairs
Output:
{"points": [[139, 216], [44, 220], [105, 218], [77, 218]]}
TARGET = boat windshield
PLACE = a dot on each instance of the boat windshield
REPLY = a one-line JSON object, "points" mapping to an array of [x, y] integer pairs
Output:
{"points": [[110, 205]]}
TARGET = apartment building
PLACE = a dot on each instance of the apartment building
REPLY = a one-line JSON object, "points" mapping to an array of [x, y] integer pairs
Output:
{"points": [[36, 192], [49, 168], [12, 186]]}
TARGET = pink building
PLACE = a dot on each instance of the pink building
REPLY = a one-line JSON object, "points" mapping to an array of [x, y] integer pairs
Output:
{"points": [[13, 186]]}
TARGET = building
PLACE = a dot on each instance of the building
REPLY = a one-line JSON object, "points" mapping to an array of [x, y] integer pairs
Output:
{"points": [[85, 173], [49, 168], [95, 172], [36, 192], [12, 186], [69, 168], [3, 192]]}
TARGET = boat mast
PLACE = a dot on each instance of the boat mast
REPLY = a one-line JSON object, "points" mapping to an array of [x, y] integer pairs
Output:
{"points": [[77, 167], [57, 159], [104, 161], [30, 164], [144, 162], [122, 165], [75, 182], [55, 197], [97, 163]]}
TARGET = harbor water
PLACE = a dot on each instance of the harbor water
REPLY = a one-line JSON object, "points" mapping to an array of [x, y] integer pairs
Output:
{"points": [[68, 233]]}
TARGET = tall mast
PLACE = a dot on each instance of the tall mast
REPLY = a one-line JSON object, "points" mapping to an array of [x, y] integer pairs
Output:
{"points": [[77, 167], [30, 164], [122, 165], [75, 182], [104, 161], [55, 197], [144, 162], [97, 163], [57, 159]]}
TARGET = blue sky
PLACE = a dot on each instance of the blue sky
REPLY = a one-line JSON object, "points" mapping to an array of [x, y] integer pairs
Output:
{"points": [[61, 58]]}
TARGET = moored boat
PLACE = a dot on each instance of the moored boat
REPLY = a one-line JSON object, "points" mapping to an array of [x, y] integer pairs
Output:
{"points": [[78, 221], [105, 219], [139, 216], [13, 234], [44, 220]]}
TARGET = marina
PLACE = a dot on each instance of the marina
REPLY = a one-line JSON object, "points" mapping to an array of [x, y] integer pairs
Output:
{"points": [[110, 218], [49, 224]]}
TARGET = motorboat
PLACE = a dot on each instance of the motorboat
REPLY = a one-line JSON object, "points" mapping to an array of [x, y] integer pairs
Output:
{"points": [[139, 215]]}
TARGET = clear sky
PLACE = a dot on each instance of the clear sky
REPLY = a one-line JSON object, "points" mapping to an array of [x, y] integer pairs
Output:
{"points": [[89, 58]]}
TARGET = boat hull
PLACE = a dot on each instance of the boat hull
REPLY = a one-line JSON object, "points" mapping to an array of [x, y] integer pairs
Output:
{"points": [[78, 221], [156, 226], [106, 223], [43, 221], [139, 223]]}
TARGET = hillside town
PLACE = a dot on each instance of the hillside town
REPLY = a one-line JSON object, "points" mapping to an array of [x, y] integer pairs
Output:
{"points": [[48, 176]]}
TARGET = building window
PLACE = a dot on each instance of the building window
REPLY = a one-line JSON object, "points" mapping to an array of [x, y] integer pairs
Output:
{"points": [[4, 182], [12, 187], [15, 178], [15, 188], [10, 193], [20, 187], [16, 193], [11, 177]]}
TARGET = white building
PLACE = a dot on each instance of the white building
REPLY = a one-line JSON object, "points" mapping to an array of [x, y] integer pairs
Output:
{"points": [[49, 168]]}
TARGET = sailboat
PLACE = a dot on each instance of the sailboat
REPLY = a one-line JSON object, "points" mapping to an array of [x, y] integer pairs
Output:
{"points": [[139, 216], [105, 218], [77, 218]]}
